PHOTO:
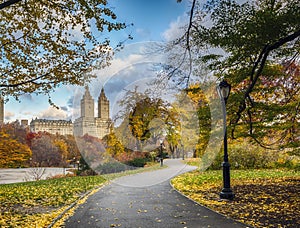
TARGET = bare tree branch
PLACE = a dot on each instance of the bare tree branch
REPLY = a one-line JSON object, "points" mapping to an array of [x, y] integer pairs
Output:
{"points": [[8, 3], [24, 82]]}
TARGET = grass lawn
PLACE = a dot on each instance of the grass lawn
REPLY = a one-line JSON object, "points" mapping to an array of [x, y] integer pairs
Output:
{"points": [[263, 198], [37, 204]]}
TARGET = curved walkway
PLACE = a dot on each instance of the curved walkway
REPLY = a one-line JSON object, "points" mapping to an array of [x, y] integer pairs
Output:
{"points": [[146, 200]]}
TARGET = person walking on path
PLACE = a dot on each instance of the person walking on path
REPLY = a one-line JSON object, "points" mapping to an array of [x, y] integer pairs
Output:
{"points": [[146, 200]]}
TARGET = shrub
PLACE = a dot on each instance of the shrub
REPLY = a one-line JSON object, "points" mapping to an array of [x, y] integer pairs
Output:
{"points": [[112, 167], [245, 155], [287, 160], [138, 162]]}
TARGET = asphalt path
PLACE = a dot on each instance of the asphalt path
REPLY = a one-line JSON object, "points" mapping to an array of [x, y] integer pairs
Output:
{"points": [[146, 200]]}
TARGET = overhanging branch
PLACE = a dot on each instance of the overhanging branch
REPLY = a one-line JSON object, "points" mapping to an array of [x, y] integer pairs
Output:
{"points": [[24, 82], [8, 3], [258, 68]]}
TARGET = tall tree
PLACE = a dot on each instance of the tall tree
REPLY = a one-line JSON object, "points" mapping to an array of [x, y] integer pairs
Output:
{"points": [[204, 117], [242, 42], [147, 118], [45, 44]]}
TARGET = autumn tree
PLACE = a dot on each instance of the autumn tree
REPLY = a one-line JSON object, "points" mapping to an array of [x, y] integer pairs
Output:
{"points": [[63, 149], [73, 151], [13, 153], [147, 118], [16, 131], [92, 150], [45, 44], [44, 151], [251, 44], [196, 94], [113, 145]]}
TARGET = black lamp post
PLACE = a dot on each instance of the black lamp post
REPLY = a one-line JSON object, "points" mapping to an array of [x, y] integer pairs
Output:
{"points": [[161, 153], [223, 90]]}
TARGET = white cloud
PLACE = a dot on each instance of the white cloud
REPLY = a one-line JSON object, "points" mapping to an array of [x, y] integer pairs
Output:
{"points": [[117, 65], [53, 113], [9, 115], [176, 29], [27, 113], [126, 61]]}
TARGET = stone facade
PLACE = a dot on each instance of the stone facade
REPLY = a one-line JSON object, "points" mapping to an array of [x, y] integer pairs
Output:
{"points": [[62, 127], [87, 123]]}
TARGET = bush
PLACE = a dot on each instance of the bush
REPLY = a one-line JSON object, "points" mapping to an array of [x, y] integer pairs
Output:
{"points": [[112, 167], [288, 160], [245, 155], [86, 172], [138, 162]]}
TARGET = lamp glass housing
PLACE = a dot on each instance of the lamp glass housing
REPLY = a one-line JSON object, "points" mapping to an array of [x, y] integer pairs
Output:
{"points": [[224, 89]]}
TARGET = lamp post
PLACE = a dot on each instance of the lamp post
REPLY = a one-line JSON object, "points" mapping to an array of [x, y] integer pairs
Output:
{"points": [[223, 90], [161, 153]]}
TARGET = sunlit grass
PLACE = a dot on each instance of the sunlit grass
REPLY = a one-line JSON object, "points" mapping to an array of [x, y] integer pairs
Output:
{"points": [[36, 204], [25, 204]]}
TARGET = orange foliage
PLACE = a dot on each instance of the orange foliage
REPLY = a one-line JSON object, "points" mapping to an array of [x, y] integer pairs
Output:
{"points": [[12, 152]]}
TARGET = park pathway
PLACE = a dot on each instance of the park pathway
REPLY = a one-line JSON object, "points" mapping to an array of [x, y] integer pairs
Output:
{"points": [[146, 200]]}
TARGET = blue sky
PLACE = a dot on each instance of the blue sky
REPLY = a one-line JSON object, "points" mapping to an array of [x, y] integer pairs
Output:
{"points": [[155, 21]]}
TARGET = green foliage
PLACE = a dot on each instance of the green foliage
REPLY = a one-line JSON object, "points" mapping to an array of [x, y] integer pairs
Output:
{"points": [[138, 162], [244, 154], [130, 163], [254, 45], [243, 30], [112, 167]]}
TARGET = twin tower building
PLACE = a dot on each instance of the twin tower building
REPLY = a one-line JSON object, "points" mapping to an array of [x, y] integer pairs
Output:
{"points": [[87, 123]]}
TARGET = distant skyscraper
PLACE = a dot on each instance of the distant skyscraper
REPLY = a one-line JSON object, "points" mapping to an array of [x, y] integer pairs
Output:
{"points": [[103, 106], [87, 123]]}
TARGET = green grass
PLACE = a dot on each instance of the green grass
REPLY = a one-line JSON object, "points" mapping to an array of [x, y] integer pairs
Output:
{"points": [[37, 203], [53, 192], [31, 204]]}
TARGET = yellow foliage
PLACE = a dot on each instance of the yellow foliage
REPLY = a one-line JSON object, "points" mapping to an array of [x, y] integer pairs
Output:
{"points": [[12, 152]]}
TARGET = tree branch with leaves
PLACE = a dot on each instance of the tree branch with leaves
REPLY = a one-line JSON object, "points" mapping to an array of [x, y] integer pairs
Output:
{"points": [[46, 44], [241, 41]]}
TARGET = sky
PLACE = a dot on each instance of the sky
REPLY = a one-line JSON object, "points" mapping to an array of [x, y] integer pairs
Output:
{"points": [[153, 22]]}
